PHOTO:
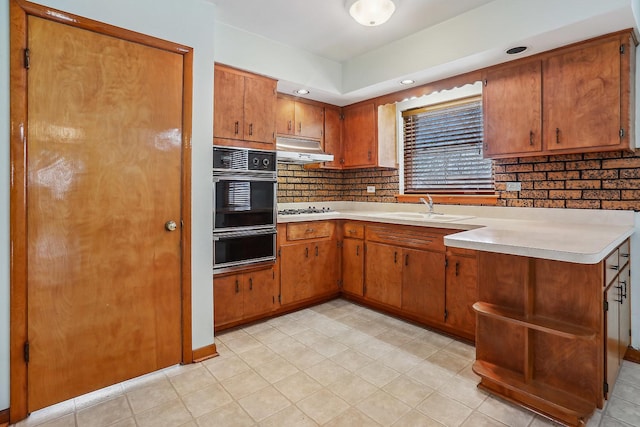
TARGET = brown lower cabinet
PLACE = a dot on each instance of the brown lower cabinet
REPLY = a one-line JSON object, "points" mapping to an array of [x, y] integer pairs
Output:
{"points": [[243, 296], [551, 335]]}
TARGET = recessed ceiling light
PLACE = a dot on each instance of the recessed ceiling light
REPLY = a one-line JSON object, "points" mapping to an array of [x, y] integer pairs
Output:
{"points": [[301, 92], [407, 82], [516, 50]]}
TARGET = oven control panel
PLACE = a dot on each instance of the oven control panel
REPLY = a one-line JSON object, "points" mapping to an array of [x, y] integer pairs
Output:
{"points": [[262, 160], [242, 159]]}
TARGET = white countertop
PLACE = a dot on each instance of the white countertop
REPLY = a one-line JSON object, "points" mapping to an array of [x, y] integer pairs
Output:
{"points": [[563, 236]]}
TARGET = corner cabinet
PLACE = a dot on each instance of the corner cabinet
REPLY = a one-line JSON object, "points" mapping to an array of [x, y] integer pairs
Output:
{"points": [[352, 281], [244, 109], [543, 324], [362, 144], [573, 99]]}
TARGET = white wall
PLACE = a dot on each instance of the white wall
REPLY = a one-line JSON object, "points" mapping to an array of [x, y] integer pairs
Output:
{"points": [[188, 22]]}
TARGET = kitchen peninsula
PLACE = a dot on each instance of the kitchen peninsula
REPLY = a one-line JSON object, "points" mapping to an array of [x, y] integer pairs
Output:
{"points": [[552, 298]]}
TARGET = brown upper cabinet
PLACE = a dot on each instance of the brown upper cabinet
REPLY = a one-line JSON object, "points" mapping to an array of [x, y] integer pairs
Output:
{"points": [[569, 100], [333, 137], [295, 118], [244, 109]]}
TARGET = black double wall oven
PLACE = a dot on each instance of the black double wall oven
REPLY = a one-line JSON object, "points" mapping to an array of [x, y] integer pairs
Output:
{"points": [[244, 207]]}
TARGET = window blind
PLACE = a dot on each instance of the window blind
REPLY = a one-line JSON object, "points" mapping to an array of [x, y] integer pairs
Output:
{"points": [[443, 149]]}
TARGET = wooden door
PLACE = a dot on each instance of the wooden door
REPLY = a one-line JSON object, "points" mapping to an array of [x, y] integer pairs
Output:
{"points": [[423, 284], [461, 292], [309, 120], [285, 116], [325, 267], [512, 103], [105, 122], [352, 266], [581, 97], [260, 110], [228, 104], [383, 274], [295, 272], [227, 299], [259, 292], [359, 136], [333, 137]]}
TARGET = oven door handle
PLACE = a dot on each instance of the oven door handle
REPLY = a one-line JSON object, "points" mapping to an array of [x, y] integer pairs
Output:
{"points": [[244, 233], [246, 177]]}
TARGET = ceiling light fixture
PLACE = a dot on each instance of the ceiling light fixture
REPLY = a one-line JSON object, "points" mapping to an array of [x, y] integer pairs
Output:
{"points": [[407, 82], [301, 92], [371, 12]]}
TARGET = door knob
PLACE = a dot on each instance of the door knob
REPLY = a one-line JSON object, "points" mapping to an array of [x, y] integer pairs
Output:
{"points": [[170, 225]]}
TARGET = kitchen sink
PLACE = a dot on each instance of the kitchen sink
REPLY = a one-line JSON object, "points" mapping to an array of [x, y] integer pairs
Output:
{"points": [[420, 216]]}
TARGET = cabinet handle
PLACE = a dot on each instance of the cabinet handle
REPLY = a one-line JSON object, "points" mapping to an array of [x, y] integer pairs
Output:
{"points": [[624, 255], [309, 230], [619, 294], [623, 292], [369, 154], [457, 268], [316, 250], [357, 250], [237, 124], [352, 231], [306, 252], [530, 137], [614, 267], [557, 135], [395, 257], [289, 125], [406, 259], [299, 127], [237, 286], [250, 283], [250, 129]]}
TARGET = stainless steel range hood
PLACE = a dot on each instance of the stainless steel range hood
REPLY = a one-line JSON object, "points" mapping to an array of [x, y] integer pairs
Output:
{"points": [[300, 151]]}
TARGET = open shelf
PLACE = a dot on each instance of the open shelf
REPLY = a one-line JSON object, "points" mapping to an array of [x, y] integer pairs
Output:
{"points": [[540, 397], [550, 326]]}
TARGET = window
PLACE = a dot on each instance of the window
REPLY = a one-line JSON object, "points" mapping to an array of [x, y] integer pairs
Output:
{"points": [[443, 146]]}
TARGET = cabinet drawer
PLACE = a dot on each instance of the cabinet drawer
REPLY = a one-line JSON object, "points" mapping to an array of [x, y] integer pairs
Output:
{"points": [[411, 237], [309, 230], [471, 253], [611, 267], [623, 253], [353, 230]]}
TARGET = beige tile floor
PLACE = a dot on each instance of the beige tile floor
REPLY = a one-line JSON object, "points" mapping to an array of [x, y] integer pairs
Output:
{"points": [[336, 364]]}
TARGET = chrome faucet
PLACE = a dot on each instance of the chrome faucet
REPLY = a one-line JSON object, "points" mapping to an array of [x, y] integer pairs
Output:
{"points": [[429, 203]]}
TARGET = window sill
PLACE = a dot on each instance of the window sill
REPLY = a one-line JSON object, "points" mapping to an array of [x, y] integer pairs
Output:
{"points": [[452, 199]]}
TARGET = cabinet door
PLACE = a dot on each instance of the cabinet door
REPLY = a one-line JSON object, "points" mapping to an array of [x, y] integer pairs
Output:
{"points": [[359, 136], [333, 137], [461, 293], [612, 353], [259, 292], [295, 272], [228, 104], [581, 98], [423, 284], [309, 120], [352, 266], [285, 116], [260, 110], [383, 274], [624, 282], [325, 267], [227, 300], [512, 102]]}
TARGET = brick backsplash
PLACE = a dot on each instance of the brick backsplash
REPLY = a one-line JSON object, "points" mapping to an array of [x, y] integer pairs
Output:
{"points": [[583, 181]]}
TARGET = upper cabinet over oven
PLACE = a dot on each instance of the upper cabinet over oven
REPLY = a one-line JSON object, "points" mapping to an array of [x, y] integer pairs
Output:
{"points": [[574, 99], [244, 109]]}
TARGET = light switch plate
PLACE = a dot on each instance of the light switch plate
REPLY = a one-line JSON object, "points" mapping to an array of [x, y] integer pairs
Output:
{"points": [[371, 189], [514, 186]]}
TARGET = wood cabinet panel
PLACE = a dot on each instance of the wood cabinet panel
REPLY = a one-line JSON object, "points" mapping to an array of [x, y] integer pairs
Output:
{"points": [[359, 135], [259, 110], [423, 284], [512, 103], [309, 230], [228, 104], [228, 300], [581, 104], [612, 326], [309, 120], [295, 273], [326, 267], [461, 292], [259, 292], [333, 137], [353, 266], [383, 274], [285, 116]]}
